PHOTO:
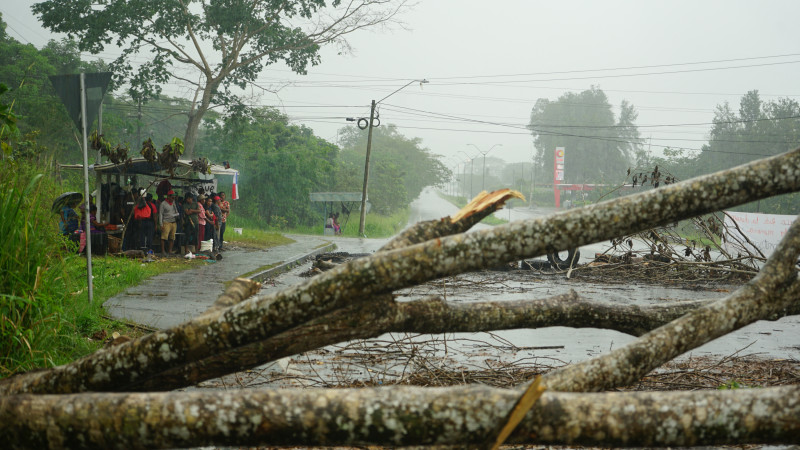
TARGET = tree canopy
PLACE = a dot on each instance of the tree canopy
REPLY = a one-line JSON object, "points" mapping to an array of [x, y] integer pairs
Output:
{"points": [[757, 130], [400, 167], [598, 144], [280, 164], [224, 44]]}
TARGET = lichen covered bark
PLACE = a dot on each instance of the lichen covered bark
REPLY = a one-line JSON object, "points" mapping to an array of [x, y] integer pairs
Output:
{"points": [[399, 416]]}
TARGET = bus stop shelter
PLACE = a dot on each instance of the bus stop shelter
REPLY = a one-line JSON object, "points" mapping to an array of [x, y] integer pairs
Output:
{"points": [[114, 181], [343, 202]]}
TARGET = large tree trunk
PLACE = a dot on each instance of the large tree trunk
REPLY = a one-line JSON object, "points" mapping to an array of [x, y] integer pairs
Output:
{"points": [[190, 137], [353, 301], [397, 416]]}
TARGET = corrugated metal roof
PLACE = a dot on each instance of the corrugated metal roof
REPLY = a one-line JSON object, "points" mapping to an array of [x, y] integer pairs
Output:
{"points": [[142, 166]]}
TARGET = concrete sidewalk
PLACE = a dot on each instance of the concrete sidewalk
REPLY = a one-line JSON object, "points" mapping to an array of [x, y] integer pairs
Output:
{"points": [[169, 299]]}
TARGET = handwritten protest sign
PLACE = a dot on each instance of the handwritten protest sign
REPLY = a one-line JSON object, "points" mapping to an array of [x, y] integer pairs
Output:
{"points": [[763, 230]]}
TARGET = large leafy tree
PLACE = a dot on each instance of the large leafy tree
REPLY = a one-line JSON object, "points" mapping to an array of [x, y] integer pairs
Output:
{"points": [[280, 164], [598, 146], [759, 129], [400, 167], [25, 70], [216, 46]]}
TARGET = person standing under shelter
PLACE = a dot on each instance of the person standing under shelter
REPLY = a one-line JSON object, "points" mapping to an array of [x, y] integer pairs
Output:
{"points": [[190, 224], [151, 227], [69, 218], [217, 221], [226, 208], [210, 219], [142, 217], [143, 220], [167, 218], [201, 220]]}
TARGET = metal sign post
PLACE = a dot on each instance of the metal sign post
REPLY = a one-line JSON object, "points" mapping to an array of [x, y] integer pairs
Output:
{"points": [[87, 233], [90, 89]]}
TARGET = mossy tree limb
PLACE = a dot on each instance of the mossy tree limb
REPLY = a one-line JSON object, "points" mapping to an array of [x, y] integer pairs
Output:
{"points": [[397, 416]]}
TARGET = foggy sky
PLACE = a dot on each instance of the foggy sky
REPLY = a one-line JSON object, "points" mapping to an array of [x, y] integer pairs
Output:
{"points": [[488, 62]]}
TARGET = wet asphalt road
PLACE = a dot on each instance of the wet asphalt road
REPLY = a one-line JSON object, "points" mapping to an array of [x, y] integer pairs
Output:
{"points": [[775, 340]]}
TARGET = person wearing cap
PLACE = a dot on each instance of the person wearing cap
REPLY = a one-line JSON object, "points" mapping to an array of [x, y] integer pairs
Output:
{"points": [[167, 218]]}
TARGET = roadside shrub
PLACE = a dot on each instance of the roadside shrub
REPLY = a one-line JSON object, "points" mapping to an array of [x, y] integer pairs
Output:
{"points": [[30, 263]]}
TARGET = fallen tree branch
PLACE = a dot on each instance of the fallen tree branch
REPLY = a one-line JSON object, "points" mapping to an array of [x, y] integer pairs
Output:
{"points": [[239, 290], [397, 416], [431, 315], [774, 289], [483, 205], [261, 317]]}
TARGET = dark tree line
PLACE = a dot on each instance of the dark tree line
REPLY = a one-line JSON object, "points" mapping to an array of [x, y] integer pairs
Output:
{"points": [[601, 146]]}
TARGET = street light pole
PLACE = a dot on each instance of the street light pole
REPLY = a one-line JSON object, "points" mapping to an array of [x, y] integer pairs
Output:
{"points": [[471, 161], [363, 218], [483, 180], [464, 179]]}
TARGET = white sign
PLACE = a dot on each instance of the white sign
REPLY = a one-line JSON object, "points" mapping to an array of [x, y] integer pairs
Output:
{"points": [[763, 230]]}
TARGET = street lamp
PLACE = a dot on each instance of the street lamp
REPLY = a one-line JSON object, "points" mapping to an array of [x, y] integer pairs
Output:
{"points": [[483, 181], [471, 161], [454, 171], [363, 218]]}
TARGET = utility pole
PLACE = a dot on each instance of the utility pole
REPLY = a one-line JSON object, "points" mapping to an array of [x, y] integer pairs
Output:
{"points": [[86, 199], [483, 179], [464, 180], [533, 179], [363, 218]]}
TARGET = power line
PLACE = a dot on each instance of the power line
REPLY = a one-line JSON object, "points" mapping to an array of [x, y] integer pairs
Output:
{"points": [[435, 114]]}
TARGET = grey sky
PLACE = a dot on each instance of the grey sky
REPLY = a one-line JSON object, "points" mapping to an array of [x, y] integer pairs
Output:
{"points": [[488, 62]]}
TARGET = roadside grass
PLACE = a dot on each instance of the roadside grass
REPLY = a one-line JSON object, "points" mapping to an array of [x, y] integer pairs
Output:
{"points": [[377, 226], [252, 236], [111, 276]]}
